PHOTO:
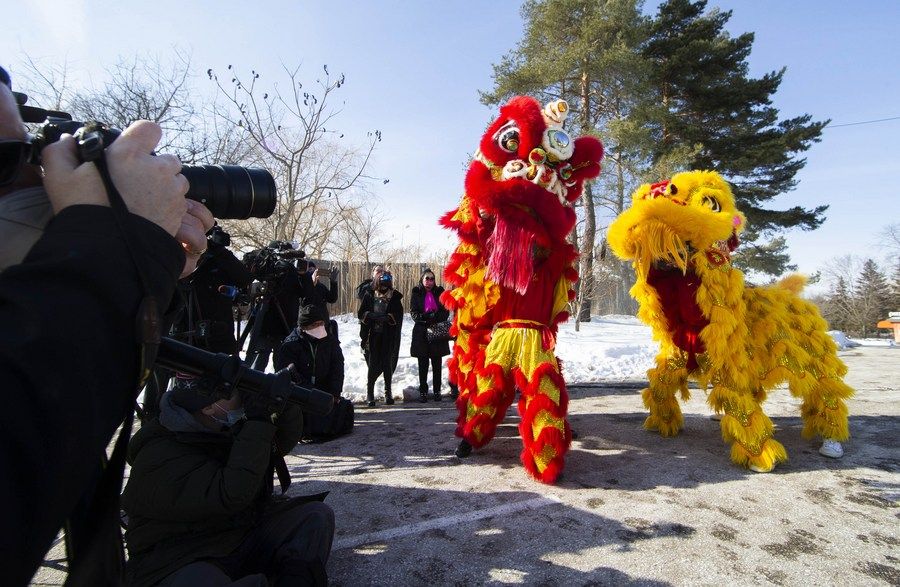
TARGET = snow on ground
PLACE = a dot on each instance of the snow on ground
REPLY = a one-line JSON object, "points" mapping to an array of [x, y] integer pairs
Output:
{"points": [[608, 348]]}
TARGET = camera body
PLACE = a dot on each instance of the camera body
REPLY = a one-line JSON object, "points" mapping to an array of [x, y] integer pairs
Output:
{"points": [[229, 191]]}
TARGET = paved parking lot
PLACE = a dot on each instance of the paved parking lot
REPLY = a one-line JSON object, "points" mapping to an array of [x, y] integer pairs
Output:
{"points": [[631, 508]]}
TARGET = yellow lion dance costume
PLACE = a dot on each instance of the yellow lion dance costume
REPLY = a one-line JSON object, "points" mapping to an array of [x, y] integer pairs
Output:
{"points": [[740, 340], [512, 275]]}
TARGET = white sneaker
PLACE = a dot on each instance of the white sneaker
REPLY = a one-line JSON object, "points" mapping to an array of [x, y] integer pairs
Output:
{"points": [[831, 448]]}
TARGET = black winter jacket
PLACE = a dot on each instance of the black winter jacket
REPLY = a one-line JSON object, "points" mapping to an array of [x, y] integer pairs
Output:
{"points": [[380, 332], [317, 363], [195, 494], [68, 367], [420, 347]]}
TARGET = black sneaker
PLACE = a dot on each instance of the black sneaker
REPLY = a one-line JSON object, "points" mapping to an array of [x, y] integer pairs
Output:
{"points": [[464, 449], [371, 403], [389, 400]]}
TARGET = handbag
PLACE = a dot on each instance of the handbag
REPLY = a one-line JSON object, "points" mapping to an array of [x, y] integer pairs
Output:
{"points": [[438, 332]]}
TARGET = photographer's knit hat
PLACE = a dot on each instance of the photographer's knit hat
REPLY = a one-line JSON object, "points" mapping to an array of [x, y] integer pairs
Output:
{"points": [[310, 314], [4, 78], [190, 394]]}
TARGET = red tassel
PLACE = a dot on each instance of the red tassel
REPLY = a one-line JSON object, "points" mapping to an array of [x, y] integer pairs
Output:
{"points": [[510, 262]]}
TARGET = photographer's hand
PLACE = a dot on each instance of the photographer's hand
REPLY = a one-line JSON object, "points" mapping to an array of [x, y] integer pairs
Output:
{"points": [[192, 234], [151, 186]]}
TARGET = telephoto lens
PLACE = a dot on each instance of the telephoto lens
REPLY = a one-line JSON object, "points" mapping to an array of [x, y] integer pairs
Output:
{"points": [[232, 192]]}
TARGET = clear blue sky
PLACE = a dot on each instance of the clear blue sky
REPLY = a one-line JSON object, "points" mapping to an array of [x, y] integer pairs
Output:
{"points": [[414, 68]]}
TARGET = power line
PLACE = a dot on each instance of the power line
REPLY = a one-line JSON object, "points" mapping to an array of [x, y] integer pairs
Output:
{"points": [[863, 122]]}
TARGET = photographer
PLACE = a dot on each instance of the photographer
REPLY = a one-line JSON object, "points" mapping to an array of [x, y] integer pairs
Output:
{"points": [[324, 292], [316, 360], [276, 310], [381, 317], [63, 401], [199, 497], [207, 320]]}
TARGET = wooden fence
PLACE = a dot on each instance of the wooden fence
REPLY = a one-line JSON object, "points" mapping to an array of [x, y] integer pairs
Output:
{"points": [[406, 276]]}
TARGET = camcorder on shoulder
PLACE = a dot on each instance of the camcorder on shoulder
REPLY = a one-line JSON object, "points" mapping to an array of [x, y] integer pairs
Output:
{"points": [[273, 262], [229, 191]]}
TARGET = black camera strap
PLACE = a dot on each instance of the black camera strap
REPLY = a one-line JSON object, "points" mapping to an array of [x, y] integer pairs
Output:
{"points": [[94, 545]]}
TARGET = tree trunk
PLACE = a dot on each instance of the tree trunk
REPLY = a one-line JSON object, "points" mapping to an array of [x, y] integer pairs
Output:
{"points": [[586, 266], [586, 269]]}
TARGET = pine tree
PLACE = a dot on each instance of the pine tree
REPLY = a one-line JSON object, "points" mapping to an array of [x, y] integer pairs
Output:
{"points": [[837, 306], [873, 296], [700, 75]]}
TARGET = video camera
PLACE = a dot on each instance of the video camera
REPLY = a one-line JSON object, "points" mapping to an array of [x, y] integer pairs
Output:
{"points": [[274, 261], [229, 191]]}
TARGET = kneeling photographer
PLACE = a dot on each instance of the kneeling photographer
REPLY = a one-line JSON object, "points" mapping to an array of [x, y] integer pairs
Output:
{"points": [[199, 497], [314, 358]]}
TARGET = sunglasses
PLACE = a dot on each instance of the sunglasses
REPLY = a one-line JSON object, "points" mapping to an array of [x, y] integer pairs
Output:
{"points": [[13, 154], [429, 279]]}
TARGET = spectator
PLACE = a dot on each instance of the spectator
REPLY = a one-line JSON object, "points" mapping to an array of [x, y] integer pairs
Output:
{"points": [[199, 497], [426, 310], [381, 315]]}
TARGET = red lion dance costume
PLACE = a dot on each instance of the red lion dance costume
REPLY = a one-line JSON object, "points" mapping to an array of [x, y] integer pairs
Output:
{"points": [[513, 274]]}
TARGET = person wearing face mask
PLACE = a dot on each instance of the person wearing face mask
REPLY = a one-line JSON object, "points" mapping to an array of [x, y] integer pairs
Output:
{"points": [[381, 316], [315, 360], [199, 497], [426, 310]]}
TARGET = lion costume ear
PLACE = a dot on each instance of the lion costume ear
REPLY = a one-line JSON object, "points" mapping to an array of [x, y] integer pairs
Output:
{"points": [[585, 165]]}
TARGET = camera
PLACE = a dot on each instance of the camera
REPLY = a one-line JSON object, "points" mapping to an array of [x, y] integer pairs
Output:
{"points": [[274, 389], [229, 191], [274, 261]]}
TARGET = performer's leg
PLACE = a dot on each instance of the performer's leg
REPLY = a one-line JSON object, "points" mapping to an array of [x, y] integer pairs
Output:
{"points": [[747, 427], [666, 379], [545, 433]]}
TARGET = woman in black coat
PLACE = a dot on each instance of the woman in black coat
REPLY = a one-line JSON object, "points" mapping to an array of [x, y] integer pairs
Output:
{"points": [[381, 315], [426, 309]]}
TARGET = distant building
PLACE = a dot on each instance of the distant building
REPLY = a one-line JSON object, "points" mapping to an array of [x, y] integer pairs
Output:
{"points": [[892, 323]]}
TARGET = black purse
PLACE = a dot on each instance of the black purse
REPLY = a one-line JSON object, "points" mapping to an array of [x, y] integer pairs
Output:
{"points": [[438, 332]]}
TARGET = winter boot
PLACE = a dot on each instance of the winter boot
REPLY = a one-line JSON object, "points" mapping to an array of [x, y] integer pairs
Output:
{"points": [[437, 394], [370, 395], [388, 397], [464, 449], [423, 394]]}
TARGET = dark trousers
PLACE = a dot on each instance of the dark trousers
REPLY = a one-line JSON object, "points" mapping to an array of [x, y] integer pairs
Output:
{"points": [[291, 547], [259, 350], [435, 373], [379, 369]]}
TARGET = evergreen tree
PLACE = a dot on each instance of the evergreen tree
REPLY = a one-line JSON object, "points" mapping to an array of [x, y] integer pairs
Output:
{"points": [[837, 306], [700, 75], [873, 297]]}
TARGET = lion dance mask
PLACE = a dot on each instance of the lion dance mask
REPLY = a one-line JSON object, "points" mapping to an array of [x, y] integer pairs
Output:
{"points": [[513, 275], [741, 341]]}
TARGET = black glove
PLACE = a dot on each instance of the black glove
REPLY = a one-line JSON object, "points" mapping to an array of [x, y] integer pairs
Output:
{"points": [[261, 409], [333, 273]]}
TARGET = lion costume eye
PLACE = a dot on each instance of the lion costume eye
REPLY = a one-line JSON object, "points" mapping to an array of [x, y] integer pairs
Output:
{"points": [[508, 138], [711, 203]]}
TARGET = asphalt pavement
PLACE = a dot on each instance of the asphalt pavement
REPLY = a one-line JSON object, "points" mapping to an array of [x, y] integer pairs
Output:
{"points": [[632, 508]]}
